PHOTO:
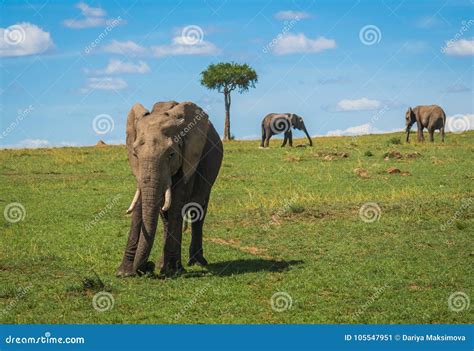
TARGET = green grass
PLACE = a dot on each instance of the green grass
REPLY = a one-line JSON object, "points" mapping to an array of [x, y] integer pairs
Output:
{"points": [[280, 220]]}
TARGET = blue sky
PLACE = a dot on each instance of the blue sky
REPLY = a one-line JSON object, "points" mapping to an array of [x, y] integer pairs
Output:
{"points": [[347, 67]]}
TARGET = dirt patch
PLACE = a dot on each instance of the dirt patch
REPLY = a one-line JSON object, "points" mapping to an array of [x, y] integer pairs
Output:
{"points": [[253, 250], [361, 172], [398, 155], [417, 287], [292, 158], [331, 156], [395, 170], [393, 154]]}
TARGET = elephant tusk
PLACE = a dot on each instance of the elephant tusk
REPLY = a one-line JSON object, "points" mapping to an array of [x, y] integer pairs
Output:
{"points": [[134, 202], [167, 203]]}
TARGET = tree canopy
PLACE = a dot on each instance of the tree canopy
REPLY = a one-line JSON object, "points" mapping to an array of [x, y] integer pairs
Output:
{"points": [[228, 76]]}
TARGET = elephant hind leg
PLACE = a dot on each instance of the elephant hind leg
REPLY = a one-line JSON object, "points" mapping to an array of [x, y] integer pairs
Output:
{"points": [[442, 134], [431, 132], [263, 137]]}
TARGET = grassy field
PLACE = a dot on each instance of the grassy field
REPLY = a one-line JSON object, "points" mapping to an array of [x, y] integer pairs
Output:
{"points": [[282, 222]]}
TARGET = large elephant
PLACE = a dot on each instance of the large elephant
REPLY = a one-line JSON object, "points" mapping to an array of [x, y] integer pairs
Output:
{"points": [[431, 117], [175, 155], [275, 123]]}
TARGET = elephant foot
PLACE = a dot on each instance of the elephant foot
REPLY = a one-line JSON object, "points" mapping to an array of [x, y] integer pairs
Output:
{"points": [[146, 268], [125, 270], [171, 267], [198, 260]]}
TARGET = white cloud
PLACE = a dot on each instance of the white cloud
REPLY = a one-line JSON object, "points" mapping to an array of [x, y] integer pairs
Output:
{"points": [[362, 129], [290, 43], [103, 83], [33, 143], [128, 48], [428, 22], [456, 88], [90, 11], [290, 15], [461, 47], [37, 143], [362, 104], [180, 46], [24, 39], [415, 46], [460, 123], [118, 66], [92, 17]]}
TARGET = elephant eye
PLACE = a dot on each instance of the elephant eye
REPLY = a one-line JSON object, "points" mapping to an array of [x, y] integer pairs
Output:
{"points": [[171, 154]]}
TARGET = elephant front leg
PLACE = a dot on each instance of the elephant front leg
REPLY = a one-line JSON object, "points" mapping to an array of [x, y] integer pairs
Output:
{"points": [[126, 267], [420, 132], [285, 140], [196, 253], [170, 262]]}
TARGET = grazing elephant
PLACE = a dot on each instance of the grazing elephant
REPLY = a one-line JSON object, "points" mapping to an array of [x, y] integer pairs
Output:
{"points": [[431, 117], [275, 123], [175, 155]]}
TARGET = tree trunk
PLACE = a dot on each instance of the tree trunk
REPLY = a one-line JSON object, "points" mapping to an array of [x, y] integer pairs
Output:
{"points": [[227, 116]]}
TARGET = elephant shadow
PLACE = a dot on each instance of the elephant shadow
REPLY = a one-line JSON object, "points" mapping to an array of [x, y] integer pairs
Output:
{"points": [[254, 265]]}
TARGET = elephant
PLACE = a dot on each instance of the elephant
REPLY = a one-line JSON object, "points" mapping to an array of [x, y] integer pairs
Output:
{"points": [[431, 117], [175, 155], [275, 123]]}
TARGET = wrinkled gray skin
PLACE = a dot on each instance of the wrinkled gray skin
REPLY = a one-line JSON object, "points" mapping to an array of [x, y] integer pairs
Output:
{"points": [[431, 117], [173, 146], [275, 123]]}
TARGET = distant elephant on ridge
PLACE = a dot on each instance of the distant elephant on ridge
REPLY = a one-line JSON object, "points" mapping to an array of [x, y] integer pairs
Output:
{"points": [[431, 117], [175, 155], [275, 123]]}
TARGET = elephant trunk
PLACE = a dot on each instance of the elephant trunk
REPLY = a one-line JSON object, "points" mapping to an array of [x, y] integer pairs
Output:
{"points": [[408, 134], [150, 210], [307, 135]]}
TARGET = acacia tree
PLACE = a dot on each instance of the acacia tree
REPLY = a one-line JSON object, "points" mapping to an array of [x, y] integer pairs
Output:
{"points": [[226, 77]]}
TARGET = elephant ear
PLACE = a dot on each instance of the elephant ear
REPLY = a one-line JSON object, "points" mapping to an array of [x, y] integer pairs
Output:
{"points": [[293, 119], [163, 106], [137, 112], [194, 124]]}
